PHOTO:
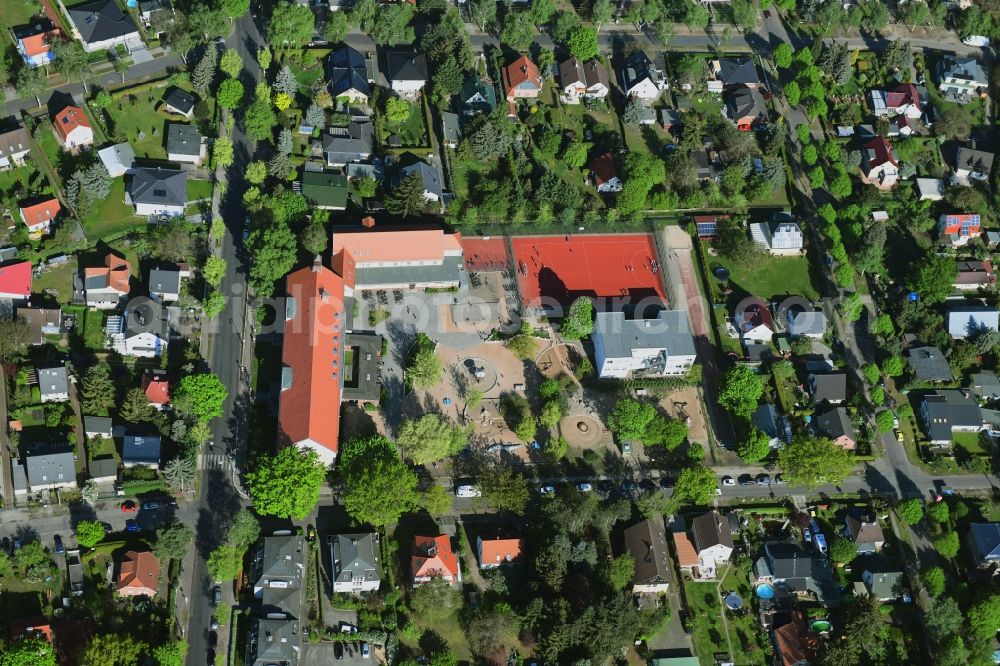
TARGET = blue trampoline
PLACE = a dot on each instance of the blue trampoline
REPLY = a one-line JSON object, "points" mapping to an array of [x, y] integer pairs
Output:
{"points": [[734, 601]]}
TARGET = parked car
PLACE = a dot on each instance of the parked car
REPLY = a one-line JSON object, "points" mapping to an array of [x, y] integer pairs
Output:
{"points": [[468, 491], [338, 651], [584, 487], [214, 624], [763, 480], [132, 526], [216, 595], [366, 651], [128, 506], [59, 545], [807, 535], [628, 486], [746, 480], [547, 490], [213, 639], [728, 481], [820, 540]]}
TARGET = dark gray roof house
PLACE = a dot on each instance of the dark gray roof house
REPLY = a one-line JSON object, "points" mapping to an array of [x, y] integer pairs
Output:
{"points": [[355, 559], [866, 534], [929, 364], [745, 105], [353, 143], [101, 21], [141, 450], [984, 542], [179, 101], [737, 71], [276, 571], [347, 72], [477, 96], [103, 470], [836, 424], [647, 543], [159, 187], [801, 571], [406, 66], [978, 163], [948, 411], [273, 642], [48, 470], [884, 585], [710, 529], [184, 140], [986, 385], [165, 283], [432, 182], [98, 426], [832, 387]]}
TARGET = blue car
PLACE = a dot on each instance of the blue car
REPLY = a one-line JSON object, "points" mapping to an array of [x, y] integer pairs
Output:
{"points": [[132, 526], [150, 506]]}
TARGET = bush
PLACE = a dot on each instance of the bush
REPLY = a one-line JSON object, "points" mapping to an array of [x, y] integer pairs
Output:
{"points": [[933, 578]]}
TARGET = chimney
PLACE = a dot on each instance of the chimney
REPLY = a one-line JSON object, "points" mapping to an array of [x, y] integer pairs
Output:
{"points": [[317, 264], [368, 222]]}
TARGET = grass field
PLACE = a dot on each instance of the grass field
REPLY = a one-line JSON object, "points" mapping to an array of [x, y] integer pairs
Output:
{"points": [[773, 276], [709, 634], [137, 113], [111, 215], [971, 442], [58, 279], [93, 329], [462, 172], [199, 189], [411, 131], [18, 12]]}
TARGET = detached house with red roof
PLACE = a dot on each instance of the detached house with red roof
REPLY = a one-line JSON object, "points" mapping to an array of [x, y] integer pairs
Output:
{"points": [[138, 574], [73, 129], [34, 42], [754, 321], [604, 173], [494, 551], [880, 164], [15, 281], [105, 287], [312, 361], [157, 388], [433, 557], [521, 80], [39, 217], [903, 101], [957, 229]]}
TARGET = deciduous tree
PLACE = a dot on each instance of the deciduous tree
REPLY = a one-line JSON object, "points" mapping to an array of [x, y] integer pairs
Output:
{"points": [[225, 562], [89, 533], [696, 486], [200, 396], [629, 419], [287, 483], [814, 461], [430, 438], [755, 447], [28, 652], [741, 391], [214, 270], [378, 486], [230, 94], [172, 540], [291, 25], [504, 489]]}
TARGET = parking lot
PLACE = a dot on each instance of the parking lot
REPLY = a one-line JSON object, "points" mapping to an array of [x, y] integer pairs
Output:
{"points": [[325, 653]]}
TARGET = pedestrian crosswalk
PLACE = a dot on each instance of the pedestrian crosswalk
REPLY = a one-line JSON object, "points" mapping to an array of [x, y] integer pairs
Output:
{"points": [[215, 461]]}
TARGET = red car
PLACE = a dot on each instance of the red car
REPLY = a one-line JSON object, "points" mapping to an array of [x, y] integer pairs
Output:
{"points": [[128, 506]]}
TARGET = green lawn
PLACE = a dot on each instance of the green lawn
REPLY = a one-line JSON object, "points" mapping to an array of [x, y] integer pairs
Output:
{"points": [[93, 329], [971, 442], [463, 170], [411, 131], [773, 276], [18, 12], [59, 279], [136, 113], [112, 215], [199, 189]]}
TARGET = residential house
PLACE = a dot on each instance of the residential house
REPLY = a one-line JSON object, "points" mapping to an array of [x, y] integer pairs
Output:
{"points": [[521, 80], [949, 411], [273, 641], [14, 147], [781, 236], [428, 174], [865, 533], [728, 73], [985, 385], [347, 73], [754, 321], [38, 217], [103, 471], [48, 471], [34, 41], [433, 557], [179, 102], [407, 72], [806, 323], [831, 388], [40, 322], [794, 644], [929, 364], [670, 120], [138, 574], [158, 192], [324, 190], [974, 275], [53, 384], [646, 542], [494, 551], [72, 128], [604, 173], [903, 101], [776, 426], [791, 567], [660, 346], [141, 450], [836, 425], [641, 79], [354, 143], [165, 283], [984, 543], [118, 159], [961, 79], [355, 559], [970, 320], [102, 25], [972, 164], [707, 226], [149, 7], [580, 80], [277, 571], [884, 585], [957, 229], [930, 189], [745, 107], [713, 543], [451, 129], [140, 332], [405, 258], [185, 144], [156, 386], [15, 281], [308, 405], [107, 286], [880, 163], [477, 96], [98, 426]]}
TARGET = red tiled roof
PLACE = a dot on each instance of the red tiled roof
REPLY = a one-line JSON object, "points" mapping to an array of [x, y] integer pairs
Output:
{"points": [[904, 94], [604, 168], [757, 313], [69, 119], [793, 644], [156, 388], [35, 45], [882, 150], [41, 212], [433, 556], [31, 627], [686, 555], [16, 279], [518, 72], [309, 408], [499, 551], [139, 573], [370, 246], [116, 270]]}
